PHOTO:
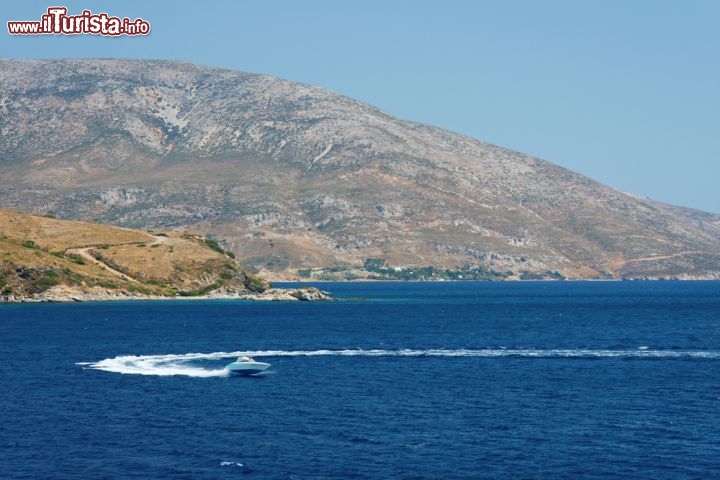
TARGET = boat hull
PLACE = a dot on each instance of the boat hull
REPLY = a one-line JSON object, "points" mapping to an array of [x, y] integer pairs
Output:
{"points": [[246, 368]]}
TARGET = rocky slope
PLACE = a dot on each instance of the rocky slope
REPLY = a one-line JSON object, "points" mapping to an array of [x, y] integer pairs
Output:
{"points": [[300, 181], [45, 259]]}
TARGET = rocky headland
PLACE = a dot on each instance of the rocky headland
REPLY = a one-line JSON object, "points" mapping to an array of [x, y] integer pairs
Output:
{"points": [[49, 260]]}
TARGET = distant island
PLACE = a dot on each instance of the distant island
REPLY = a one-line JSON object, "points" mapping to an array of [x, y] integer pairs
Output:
{"points": [[49, 260], [300, 183]]}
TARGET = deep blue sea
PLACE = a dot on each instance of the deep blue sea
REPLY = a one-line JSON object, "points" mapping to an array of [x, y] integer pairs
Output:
{"points": [[476, 380]]}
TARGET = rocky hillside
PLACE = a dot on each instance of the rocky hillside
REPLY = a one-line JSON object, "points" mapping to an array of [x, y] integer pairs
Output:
{"points": [[298, 181], [45, 258]]}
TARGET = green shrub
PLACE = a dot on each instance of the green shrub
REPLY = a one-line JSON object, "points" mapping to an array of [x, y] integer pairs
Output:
{"points": [[75, 258], [49, 278], [214, 245], [374, 264], [197, 293], [254, 283]]}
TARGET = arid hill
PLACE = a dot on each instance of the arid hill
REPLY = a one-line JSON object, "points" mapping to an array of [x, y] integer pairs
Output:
{"points": [[74, 258], [298, 181]]}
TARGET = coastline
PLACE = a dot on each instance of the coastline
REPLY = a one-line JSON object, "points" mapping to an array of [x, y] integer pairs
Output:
{"points": [[288, 291], [64, 294]]}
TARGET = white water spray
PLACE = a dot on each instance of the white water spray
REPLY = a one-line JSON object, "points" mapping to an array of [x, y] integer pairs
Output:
{"points": [[182, 364]]}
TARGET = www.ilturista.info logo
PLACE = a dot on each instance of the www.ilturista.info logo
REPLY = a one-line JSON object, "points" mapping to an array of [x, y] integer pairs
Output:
{"points": [[56, 21]]}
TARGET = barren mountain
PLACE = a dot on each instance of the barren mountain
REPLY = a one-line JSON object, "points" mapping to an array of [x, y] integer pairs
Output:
{"points": [[297, 180]]}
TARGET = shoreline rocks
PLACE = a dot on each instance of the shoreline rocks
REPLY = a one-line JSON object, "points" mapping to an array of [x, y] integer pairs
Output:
{"points": [[65, 294], [302, 294]]}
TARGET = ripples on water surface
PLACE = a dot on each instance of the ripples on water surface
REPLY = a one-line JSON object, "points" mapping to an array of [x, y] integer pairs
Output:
{"points": [[461, 380]]}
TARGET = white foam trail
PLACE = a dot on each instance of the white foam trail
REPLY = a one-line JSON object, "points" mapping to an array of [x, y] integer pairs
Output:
{"points": [[493, 352], [179, 364], [161, 365]]}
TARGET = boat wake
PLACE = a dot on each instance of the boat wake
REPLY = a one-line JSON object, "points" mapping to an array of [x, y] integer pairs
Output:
{"points": [[160, 365], [641, 352], [189, 364]]}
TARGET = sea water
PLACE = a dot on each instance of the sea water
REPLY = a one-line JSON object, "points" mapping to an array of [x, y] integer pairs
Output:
{"points": [[546, 380]]}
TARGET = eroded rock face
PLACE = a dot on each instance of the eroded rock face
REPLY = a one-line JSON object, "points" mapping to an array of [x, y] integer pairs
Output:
{"points": [[291, 177], [309, 294]]}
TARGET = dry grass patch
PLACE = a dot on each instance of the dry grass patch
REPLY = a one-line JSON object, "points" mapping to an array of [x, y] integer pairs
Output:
{"points": [[59, 235], [160, 260]]}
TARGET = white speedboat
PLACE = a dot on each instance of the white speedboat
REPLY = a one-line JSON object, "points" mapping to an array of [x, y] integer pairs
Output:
{"points": [[246, 366]]}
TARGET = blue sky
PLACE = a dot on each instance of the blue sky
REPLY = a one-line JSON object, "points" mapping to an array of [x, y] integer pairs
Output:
{"points": [[626, 92]]}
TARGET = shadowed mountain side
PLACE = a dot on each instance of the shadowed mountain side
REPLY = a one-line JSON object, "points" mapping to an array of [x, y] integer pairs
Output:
{"points": [[300, 181]]}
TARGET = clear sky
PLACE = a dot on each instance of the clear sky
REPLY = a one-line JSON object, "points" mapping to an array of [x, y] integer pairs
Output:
{"points": [[624, 91]]}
